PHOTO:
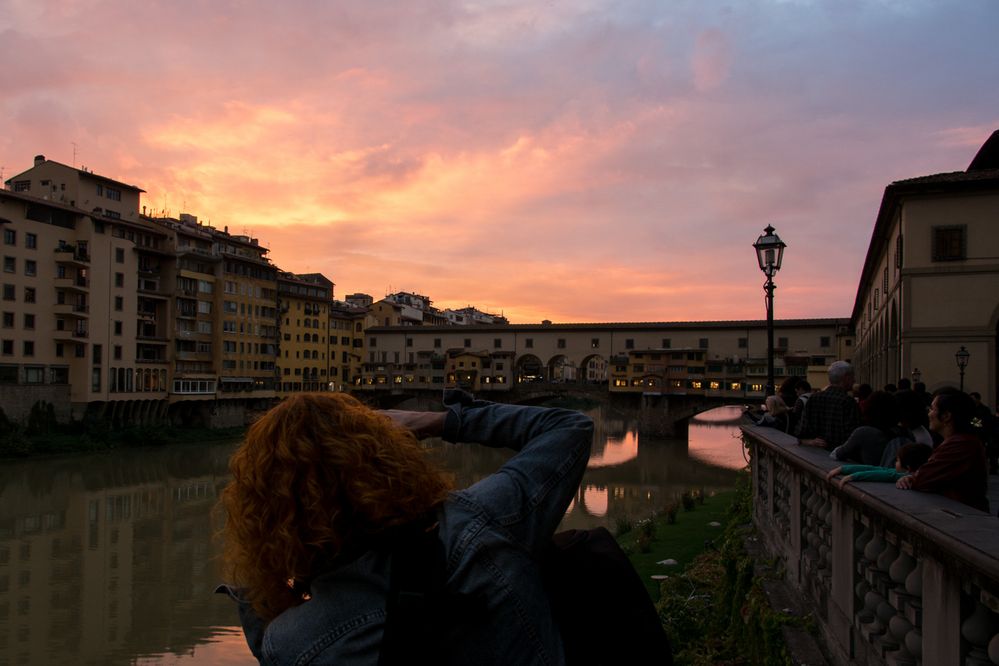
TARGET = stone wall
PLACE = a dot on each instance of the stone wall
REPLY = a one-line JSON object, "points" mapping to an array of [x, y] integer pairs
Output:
{"points": [[894, 576], [18, 399]]}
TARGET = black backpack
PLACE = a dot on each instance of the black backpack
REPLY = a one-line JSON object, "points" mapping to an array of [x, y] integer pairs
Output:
{"points": [[599, 602]]}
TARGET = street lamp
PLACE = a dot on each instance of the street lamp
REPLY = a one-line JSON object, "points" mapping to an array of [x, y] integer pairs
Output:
{"points": [[916, 375], [770, 253], [961, 356]]}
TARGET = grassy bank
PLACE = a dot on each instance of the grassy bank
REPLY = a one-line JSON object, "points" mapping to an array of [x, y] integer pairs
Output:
{"points": [[680, 532], [711, 603]]}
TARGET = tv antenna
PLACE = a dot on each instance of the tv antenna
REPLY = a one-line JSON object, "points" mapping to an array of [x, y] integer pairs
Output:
{"points": [[74, 153]]}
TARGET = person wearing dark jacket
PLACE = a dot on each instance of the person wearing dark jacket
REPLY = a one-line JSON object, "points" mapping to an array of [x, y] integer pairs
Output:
{"points": [[957, 468]]}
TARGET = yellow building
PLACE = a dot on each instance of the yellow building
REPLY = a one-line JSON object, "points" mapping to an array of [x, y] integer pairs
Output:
{"points": [[346, 335], [304, 350]]}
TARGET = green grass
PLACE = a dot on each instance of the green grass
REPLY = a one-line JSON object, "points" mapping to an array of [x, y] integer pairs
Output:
{"points": [[681, 541]]}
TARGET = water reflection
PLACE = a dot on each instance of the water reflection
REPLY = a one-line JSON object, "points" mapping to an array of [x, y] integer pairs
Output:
{"points": [[110, 559]]}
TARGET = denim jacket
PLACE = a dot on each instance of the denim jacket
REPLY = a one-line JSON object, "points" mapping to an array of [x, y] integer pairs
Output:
{"points": [[493, 534]]}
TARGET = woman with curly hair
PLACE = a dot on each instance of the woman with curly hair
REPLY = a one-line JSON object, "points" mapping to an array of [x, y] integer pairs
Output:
{"points": [[327, 494]]}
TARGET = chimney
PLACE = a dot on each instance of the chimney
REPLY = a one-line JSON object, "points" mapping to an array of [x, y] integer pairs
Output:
{"points": [[39, 159]]}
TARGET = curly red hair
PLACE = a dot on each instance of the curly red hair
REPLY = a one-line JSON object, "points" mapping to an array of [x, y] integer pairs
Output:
{"points": [[318, 476]]}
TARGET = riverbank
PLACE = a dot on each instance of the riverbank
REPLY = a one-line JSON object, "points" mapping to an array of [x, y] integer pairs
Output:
{"points": [[17, 442], [715, 603]]}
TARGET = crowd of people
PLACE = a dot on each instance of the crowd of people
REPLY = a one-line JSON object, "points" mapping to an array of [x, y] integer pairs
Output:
{"points": [[945, 443]]}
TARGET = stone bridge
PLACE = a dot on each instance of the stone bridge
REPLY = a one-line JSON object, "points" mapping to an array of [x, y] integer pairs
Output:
{"points": [[664, 415]]}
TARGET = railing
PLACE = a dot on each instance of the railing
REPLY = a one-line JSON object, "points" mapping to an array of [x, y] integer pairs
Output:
{"points": [[894, 576]]}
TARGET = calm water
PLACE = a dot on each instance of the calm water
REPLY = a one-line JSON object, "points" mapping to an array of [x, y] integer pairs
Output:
{"points": [[110, 558]]}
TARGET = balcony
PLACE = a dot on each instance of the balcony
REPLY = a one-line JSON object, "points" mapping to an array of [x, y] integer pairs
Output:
{"points": [[81, 285], [73, 334], [70, 255], [72, 310]]}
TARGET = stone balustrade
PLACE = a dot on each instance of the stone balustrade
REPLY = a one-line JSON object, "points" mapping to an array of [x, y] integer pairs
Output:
{"points": [[892, 576]]}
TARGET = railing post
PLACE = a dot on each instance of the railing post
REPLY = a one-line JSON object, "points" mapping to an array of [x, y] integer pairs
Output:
{"points": [[843, 598], [941, 614], [794, 547]]}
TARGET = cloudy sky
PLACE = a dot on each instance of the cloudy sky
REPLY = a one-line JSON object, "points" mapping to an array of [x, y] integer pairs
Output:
{"points": [[575, 160]]}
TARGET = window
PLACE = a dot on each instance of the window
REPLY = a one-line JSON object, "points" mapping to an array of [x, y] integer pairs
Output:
{"points": [[60, 351], [950, 243], [31, 241], [119, 255], [119, 279], [7, 347], [29, 321], [34, 375], [629, 343], [437, 343], [667, 343], [8, 292], [743, 343], [898, 252], [97, 352], [497, 343], [782, 343], [117, 328], [824, 341], [30, 267], [119, 303], [372, 342], [702, 343], [884, 283], [112, 193], [29, 294], [95, 379], [409, 342], [468, 342], [9, 265], [117, 352], [29, 348], [8, 320], [560, 343], [9, 237], [22, 185], [529, 343]]}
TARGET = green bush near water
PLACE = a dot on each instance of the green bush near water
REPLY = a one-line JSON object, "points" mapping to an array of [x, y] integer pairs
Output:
{"points": [[712, 605]]}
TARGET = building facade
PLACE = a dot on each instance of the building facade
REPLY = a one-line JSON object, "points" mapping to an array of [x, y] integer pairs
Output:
{"points": [[930, 282]]}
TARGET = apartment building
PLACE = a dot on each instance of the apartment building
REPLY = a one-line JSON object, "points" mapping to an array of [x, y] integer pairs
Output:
{"points": [[249, 335], [346, 334], [129, 318], [84, 315], [304, 304]]}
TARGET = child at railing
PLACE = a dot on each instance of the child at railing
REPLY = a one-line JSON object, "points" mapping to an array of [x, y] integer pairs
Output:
{"points": [[910, 458]]}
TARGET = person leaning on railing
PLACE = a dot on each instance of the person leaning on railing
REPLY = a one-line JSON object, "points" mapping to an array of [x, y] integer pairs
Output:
{"points": [[957, 467], [830, 415]]}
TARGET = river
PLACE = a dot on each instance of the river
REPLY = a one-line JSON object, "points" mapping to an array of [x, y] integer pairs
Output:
{"points": [[112, 558]]}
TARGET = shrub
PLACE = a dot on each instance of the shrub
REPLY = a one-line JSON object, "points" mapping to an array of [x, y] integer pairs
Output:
{"points": [[687, 498], [622, 526]]}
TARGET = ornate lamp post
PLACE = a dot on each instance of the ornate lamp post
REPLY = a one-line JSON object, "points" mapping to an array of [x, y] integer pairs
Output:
{"points": [[770, 253], [961, 356], [916, 375]]}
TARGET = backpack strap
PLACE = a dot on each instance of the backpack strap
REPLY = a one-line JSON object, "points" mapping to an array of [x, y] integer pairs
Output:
{"points": [[416, 585]]}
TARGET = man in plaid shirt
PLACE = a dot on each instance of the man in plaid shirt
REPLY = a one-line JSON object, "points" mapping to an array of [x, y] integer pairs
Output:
{"points": [[830, 415]]}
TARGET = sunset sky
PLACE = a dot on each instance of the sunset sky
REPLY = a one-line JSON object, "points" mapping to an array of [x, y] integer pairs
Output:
{"points": [[572, 160]]}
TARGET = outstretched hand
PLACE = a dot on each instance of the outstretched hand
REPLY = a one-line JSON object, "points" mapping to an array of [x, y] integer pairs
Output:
{"points": [[904, 483], [833, 472], [421, 424]]}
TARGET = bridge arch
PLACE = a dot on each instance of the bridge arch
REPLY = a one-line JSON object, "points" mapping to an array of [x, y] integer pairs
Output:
{"points": [[562, 369], [593, 370], [529, 368]]}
